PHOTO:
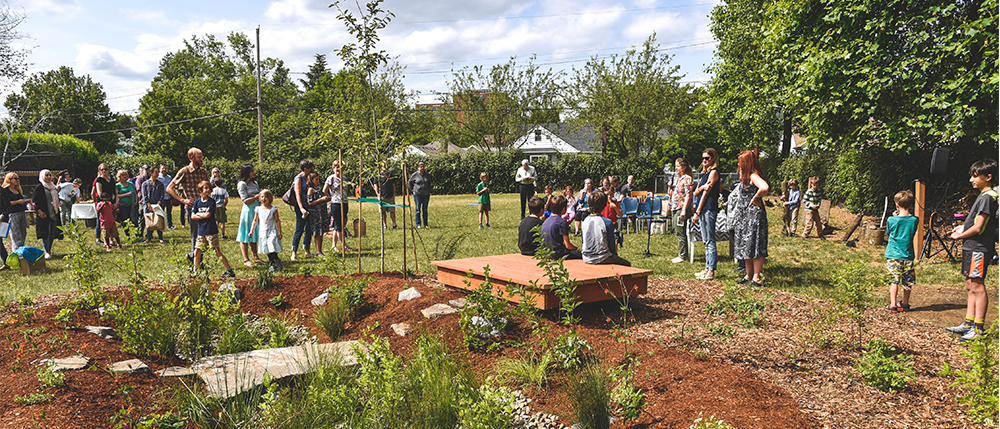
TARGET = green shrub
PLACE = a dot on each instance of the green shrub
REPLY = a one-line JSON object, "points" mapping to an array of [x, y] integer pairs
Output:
{"points": [[570, 350], [853, 283], [33, 398], [50, 376], [881, 369], [84, 153], [236, 337], [264, 277], [709, 422], [529, 369], [490, 408], [590, 397], [980, 380], [746, 303], [485, 314]]}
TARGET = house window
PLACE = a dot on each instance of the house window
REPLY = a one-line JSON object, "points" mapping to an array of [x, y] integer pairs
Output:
{"points": [[538, 135], [538, 157]]}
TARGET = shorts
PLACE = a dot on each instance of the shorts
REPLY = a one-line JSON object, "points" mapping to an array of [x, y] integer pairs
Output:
{"points": [[902, 272], [220, 215], [974, 264], [110, 231], [212, 241], [389, 200], [484, 207], [581, 215]]}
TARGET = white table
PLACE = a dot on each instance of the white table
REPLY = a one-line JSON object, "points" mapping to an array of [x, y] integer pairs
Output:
{"points": [[83, 211]]}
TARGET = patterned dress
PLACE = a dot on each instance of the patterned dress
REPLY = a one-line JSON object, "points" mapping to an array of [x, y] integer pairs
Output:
{"points": [[319, 215], [750, 227], [268, 229]]}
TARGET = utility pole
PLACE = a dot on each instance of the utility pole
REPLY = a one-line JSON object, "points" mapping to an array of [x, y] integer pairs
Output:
{"points": [[260, 111]]}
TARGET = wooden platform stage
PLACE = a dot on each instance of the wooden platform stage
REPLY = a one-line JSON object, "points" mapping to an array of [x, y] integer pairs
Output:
{"points": [[520, 269]]}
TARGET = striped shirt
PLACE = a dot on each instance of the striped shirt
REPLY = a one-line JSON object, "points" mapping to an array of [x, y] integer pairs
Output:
{"points": [[810, 202]]}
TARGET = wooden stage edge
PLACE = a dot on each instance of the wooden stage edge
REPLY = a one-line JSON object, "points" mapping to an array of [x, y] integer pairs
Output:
{"points": [[518, 269]]}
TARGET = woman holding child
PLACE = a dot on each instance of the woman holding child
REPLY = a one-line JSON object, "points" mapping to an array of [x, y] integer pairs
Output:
{"points": [[750, 229]]}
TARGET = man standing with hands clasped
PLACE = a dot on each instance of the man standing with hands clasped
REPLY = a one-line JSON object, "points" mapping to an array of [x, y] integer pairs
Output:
{"points": [[526, 178]]}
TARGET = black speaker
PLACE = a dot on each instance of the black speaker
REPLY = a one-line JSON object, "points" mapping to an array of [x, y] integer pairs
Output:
{"points": [[939, 161]]}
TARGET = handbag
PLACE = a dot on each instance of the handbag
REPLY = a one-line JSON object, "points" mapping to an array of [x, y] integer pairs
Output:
{"points": [[4, 230], [154, 222]]}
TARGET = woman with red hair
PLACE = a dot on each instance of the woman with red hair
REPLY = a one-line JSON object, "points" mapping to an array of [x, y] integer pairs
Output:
{"points": [[750, 229]]}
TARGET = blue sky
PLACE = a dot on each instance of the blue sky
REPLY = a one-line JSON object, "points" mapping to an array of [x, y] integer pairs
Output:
{"points": [[120, 44]]}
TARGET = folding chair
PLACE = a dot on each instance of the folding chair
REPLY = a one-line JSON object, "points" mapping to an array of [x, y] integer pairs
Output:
{"points": [[630, 208], [644, 212]]}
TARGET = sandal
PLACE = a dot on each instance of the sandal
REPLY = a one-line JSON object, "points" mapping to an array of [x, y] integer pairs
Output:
{"points": [[756, 283], [901, 307], [743, 281], [891, 308], [248, 263]]}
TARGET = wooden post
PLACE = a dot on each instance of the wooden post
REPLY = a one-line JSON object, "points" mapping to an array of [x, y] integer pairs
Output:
{"points": [[406, 187], [854, 226], [343, 225], [361, 161], [919, 196]]}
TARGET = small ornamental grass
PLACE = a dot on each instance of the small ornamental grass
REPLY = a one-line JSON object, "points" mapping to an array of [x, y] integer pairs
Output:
{"points": [[590, 397]]}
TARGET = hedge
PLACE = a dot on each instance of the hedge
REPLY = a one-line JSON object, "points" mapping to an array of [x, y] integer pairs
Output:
{"points": [[84, 154]]}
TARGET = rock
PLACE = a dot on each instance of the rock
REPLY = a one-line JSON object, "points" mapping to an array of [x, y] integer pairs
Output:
{"points": [[438, 310], [320, 300], [231, 288], [175, 371], [409, 294], [401, 329], [459, 303], [227, 375], [131, 366], [71, 363], [495, 326], [102, 331]]}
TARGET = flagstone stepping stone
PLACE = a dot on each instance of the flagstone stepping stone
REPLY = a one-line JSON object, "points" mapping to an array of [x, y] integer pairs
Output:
{"points": [[438, 310], [401, 329], [131, 366], [320, 300], [231, 288], [71, 363], [226, 376], [459, 303], [409, 294], [175, 371], [102, 331]]}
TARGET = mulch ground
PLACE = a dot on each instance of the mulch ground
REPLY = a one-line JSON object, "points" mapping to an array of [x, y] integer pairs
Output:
{"points": [[759, 378]]}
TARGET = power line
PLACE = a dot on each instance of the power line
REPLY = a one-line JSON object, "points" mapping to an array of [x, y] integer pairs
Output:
{"points": [[218, 115]]}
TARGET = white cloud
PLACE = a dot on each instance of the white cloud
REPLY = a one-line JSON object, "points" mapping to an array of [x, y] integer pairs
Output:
{"points": [[157, 17], [52, 8]]}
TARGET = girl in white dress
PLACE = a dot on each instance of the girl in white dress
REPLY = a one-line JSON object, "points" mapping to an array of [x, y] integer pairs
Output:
{"points": [[266, 216]]}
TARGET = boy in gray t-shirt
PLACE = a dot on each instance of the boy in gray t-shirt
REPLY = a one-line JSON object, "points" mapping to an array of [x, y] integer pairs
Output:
{"points": [[598, 245], [221, 197]]}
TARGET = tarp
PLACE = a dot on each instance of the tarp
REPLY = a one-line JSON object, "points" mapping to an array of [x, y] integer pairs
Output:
{"points": [[30, 254]]}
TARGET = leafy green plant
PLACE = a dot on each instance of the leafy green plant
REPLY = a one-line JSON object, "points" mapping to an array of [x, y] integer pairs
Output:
{"points": [[236, 337], [490, 408], [529, 369], [64, 315], [628, 398], [821, 331], [81, 262], [709, 422], [570, 350], [722, 330], [50, 376], [853, 283], [559, 282], [880, 368], [25, 299], [305, 271], [590, 397], [486, 314], [263, 278], [980, 380], [747, 304], [33, 398], [277, 300]]}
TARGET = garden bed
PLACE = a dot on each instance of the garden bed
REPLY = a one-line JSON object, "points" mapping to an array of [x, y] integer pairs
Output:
{"points": [[768, 377]]}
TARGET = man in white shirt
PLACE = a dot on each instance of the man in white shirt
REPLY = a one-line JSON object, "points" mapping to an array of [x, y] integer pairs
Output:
{"points": [[69, 192], [526, 178]]}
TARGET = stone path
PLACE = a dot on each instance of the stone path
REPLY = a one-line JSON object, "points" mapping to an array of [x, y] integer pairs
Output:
{"points": [[227, 375]]}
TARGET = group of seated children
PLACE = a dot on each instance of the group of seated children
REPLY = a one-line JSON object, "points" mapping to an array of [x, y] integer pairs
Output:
{"points": [[599, 243]]}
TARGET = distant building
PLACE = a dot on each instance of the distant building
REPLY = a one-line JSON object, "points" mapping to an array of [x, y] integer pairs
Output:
{"points": [[549, 141], [433, 149]]}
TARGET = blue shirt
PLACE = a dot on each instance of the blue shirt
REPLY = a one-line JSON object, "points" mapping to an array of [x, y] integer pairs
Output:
{"points": [[794, 195], [206, 226], [900, 230], [553, 230]]}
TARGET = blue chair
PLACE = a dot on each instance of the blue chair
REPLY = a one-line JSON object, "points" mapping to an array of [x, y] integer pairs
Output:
{"points": [[644, 212], [630, 208], [657, 206]]}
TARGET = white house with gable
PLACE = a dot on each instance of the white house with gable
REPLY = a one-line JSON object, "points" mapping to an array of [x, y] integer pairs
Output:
{"points": [[552, 140]]}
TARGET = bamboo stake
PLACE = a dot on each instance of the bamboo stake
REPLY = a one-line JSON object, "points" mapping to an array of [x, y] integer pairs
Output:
{"points": [[407, 188], [343, 226], [360, 218]]}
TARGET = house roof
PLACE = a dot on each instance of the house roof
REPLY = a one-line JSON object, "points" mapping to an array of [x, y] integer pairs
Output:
{"points": [[435, 147], [584, 139]]}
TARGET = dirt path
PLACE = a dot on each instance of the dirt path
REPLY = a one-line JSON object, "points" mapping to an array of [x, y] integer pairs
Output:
{"points": [[944, 306]]}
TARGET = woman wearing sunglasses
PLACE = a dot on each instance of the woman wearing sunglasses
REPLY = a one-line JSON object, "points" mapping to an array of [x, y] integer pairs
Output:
{"points": [[707, 209], [46, 202]]}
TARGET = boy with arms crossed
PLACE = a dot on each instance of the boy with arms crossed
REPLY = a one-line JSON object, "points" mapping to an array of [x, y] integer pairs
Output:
{"points": [[203, 211]]}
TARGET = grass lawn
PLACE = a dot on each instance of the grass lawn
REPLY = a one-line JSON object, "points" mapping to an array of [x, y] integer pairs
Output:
{"points": [[803, 266]]}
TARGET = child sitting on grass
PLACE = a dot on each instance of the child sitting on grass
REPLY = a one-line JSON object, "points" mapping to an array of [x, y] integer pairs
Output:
{"points": [[899, 251], [203, 210], [979, 237], [598, 235], [106, 217], [525, 232], [483, 190]]}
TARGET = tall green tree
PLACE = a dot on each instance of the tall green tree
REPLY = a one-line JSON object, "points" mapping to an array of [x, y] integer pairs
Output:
{"points": [[209, 78], [494, 106], [317, 70], [59, 102], [630, 97]]}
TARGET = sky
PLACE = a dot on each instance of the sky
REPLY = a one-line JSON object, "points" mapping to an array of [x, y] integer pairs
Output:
{"points": [[120, 44]]}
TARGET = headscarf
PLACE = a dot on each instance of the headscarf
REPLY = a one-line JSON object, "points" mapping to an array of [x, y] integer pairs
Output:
{"points": [[51, 187]]}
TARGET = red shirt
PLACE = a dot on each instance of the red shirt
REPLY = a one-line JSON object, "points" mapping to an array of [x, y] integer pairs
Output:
{"points": [[106, 214], [610, 212]]}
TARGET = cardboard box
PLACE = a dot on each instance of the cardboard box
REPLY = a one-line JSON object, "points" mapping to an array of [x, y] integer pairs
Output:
{"points": [[29, 269]]}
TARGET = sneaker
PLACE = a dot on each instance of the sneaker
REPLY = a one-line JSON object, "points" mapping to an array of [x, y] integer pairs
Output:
{"points": [[487, 225], [224, 237], [480, 226], [171, 227], [704, 275], [971, 335], [228, 274], [677, 260], [960, 329]]}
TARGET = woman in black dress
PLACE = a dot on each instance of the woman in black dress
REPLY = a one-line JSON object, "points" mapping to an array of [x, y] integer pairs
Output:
{"points": [[47, 220], [12, 205], [750, 228]]}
